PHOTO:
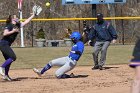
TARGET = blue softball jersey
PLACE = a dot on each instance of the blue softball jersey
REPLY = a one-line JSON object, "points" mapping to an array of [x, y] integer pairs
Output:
{"points": [[79, 46]]}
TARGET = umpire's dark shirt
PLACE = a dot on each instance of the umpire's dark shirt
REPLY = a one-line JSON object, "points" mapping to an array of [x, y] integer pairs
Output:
{"points": [[103, 32]]}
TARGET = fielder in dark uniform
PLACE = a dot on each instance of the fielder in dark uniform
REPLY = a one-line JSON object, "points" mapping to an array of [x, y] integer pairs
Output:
{"points": [[135, 63], [67, 63], [104, 33], [9, 35]]}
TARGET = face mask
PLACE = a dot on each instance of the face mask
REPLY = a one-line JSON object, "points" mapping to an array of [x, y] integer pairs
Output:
{"points": [[16, 20], [73, 40]]}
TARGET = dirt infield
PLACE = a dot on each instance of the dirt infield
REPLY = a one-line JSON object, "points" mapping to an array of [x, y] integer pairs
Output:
{"points": [[114, 79]]}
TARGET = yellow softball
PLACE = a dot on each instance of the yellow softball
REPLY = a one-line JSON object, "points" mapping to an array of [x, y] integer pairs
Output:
{"points": [[48, 4]]}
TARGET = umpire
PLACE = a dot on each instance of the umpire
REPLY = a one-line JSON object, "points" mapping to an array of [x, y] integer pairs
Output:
{"points": [[103, 33]]}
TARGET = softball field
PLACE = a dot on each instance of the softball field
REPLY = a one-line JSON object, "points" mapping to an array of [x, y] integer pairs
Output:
{"points": [[116, 78]]}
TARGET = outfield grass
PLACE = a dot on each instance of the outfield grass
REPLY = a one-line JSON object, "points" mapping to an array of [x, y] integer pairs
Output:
{"points": [[39, 57]]}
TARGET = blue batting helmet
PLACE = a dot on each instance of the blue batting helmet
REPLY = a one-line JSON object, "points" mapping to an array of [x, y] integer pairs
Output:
{"points": [[75, 35]]}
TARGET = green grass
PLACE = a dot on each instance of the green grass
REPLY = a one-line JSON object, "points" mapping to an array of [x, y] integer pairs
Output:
{"points": [[39, 57], [116, 54]]}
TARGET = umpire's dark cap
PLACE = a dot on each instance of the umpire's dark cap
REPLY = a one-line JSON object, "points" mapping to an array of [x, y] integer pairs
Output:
{"points": [[99, 15]]}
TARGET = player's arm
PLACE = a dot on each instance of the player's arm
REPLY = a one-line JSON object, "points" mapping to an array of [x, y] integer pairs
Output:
{"points": [[113, 33], [77, 52], [27, 20], [84, 31], [7, 32], [67, 31], [80, 50], [91, 35]]}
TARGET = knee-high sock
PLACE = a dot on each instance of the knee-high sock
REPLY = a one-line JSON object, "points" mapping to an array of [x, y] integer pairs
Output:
{"points": [[7, 62], [7, 69], [47, 67]]}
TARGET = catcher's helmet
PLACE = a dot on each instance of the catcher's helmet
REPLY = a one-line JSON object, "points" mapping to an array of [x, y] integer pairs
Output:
{"points": [[75, 35]]}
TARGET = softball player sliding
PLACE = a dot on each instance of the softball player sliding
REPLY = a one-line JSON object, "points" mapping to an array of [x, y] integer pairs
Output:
{"points": [[67, 63]]}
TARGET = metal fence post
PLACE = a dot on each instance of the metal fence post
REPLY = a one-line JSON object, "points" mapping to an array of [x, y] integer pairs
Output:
{"points": [[123, 34], [94, 13]]}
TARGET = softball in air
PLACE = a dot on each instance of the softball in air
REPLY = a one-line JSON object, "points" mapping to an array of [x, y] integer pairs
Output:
{"points": [[48, 4]]}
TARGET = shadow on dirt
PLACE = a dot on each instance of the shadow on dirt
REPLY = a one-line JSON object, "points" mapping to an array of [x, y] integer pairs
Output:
{"points": [[48, 77], [79, 76], [109, 67], [44, 77], [25, 78]]}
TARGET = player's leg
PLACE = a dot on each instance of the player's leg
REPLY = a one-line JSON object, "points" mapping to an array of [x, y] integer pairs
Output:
{"points": [[9, 56], [7, 68], [55, 62], [69, 65], [103, 54], [136, 82], [6, 76], [135, 63], [97, 49]]}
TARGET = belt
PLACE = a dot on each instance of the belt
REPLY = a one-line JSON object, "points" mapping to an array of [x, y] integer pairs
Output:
{"points": [[4, 42], [72, 59]]}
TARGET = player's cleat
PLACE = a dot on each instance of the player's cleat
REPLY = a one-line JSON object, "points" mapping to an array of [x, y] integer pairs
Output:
{"points": [[101, 68], [95, 67], [72, 75], [7, 78], [38, 72], [2, 71]]}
